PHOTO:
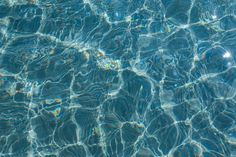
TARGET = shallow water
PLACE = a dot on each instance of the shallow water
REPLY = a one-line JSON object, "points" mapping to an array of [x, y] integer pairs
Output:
{"points": [[117, 78]]}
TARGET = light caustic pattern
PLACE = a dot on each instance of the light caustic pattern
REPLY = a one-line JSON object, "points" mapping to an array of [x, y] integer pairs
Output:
{"points": [[117, 78]]}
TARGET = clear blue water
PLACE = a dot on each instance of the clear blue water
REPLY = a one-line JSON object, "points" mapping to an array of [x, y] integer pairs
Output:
{"points": [[117, 78]]}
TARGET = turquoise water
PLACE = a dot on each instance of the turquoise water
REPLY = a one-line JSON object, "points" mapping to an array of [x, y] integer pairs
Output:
{"points": [[117, 78]]}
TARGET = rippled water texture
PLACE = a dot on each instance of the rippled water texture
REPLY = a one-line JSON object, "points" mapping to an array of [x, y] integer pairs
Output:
{"points": [[118, 78]]}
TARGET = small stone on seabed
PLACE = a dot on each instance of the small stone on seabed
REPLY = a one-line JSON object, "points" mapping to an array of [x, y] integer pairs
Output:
{"points": [[107, 63], [56, 112]]}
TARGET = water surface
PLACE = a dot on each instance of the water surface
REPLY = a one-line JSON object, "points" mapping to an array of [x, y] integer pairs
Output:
{"points": [[117, 78]]}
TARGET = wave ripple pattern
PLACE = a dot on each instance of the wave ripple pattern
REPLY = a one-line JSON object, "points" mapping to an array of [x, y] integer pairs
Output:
{"points": [[118, 78]]}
